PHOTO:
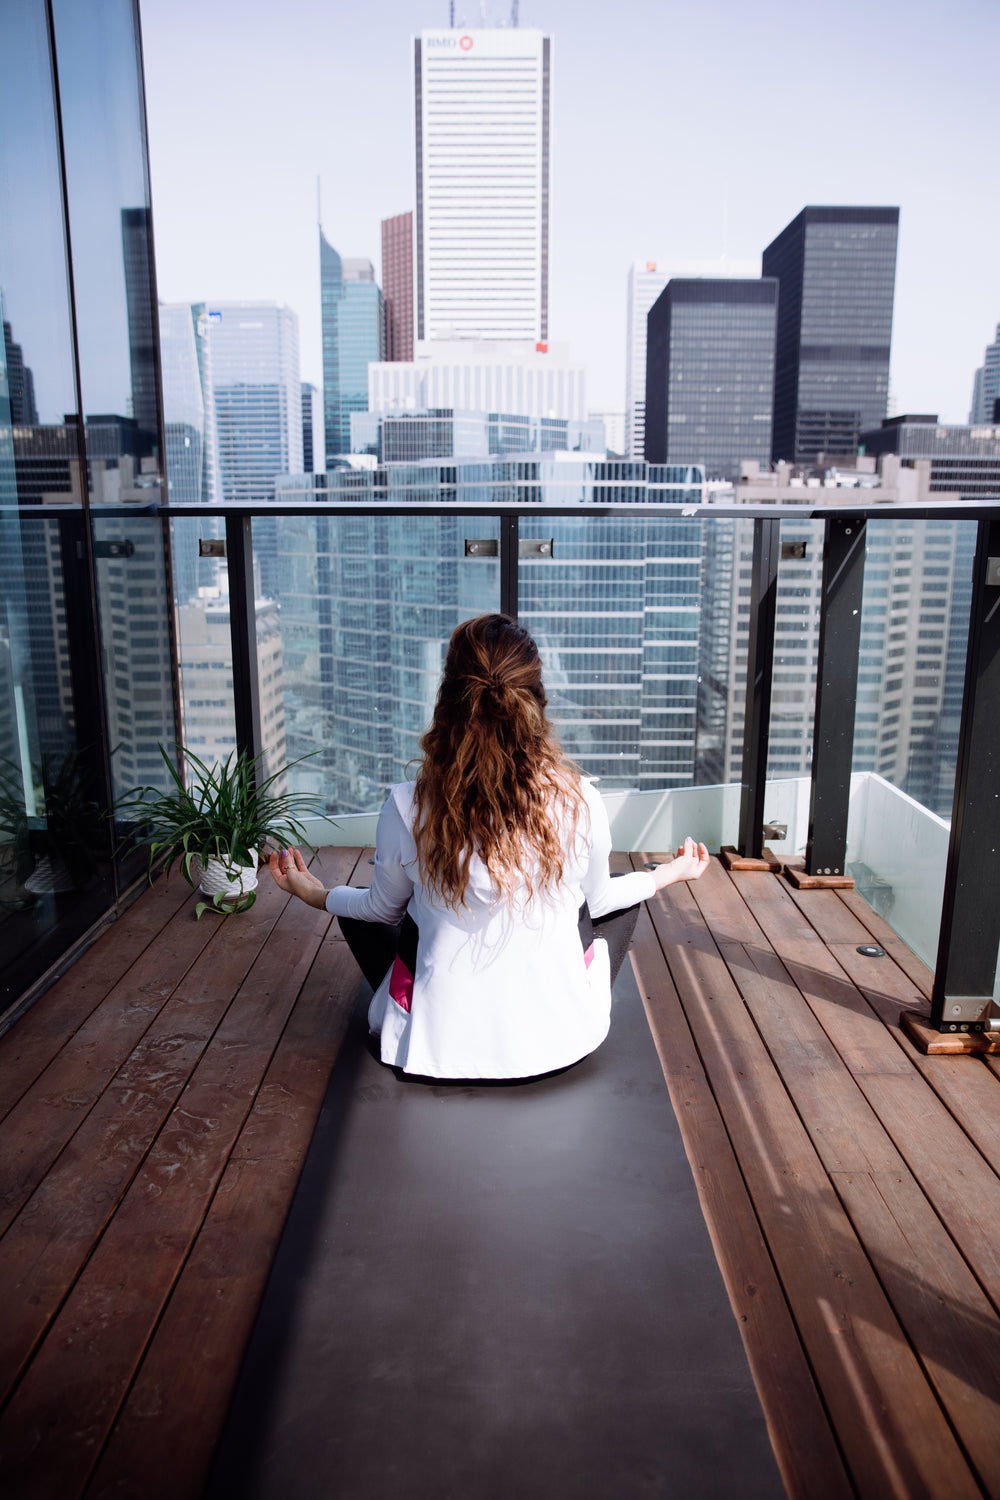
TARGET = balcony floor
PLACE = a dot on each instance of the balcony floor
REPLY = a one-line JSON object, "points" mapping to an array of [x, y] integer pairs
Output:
{"points": [[158, 1105]]}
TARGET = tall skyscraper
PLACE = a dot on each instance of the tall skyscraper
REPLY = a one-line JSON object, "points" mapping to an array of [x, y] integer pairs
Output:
{"points": [[710, 374], [258, 395], [188, 408], [986, 386], [837, 269], [397, 285], [646, 280], [20, 382], [645, 283], [312, 429], [137, 250], [353, 312], [482, 106]]}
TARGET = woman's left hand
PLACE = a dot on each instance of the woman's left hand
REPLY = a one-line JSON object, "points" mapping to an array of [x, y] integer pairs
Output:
{"points": [[290, 873], [689, 863]]}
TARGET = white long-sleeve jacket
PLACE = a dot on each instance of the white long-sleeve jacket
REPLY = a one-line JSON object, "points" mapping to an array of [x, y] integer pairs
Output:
{"points": [[498, 990]]}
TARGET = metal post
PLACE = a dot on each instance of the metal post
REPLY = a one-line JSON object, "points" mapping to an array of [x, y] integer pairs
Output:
{"points": [[243, 632], [509, 552], [760, 670], [836, 698], [970, 913]]}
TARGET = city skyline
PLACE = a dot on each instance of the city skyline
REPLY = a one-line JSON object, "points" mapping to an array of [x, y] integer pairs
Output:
{"points": [[727, 187]]}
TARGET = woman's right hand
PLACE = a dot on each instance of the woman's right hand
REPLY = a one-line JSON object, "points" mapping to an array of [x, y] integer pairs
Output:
{"points": [[290, 873], [689, 863]]}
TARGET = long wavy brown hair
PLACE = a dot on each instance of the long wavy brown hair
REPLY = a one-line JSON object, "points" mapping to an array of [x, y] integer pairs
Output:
{"points": [[493, 779]]}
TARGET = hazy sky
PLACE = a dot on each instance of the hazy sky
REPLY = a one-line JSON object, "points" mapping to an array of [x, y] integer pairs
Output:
{"points": [[678, 133]]}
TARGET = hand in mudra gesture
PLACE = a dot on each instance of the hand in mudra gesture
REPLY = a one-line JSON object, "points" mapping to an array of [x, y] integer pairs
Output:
{"points": [[290, 873], [689, 863]]}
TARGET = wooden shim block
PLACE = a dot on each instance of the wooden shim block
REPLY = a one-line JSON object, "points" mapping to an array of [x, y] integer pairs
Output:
{"points": [[895, 1438], [805, 1448], [50, 1240], [933, 1043], [732, 859], [950, 1323], [60, 1415], [805, 882], [34, 1040], [164, 1440]]}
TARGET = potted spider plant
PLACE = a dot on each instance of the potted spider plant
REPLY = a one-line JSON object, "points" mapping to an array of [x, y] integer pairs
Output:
{"points": [[219, 824]]}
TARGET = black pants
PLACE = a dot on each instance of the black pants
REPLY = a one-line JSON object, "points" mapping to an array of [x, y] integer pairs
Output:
{"points": [[374, 944]]}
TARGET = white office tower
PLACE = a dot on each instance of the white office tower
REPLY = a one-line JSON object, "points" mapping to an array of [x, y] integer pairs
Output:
{"points": [[646, 280], [492, 377], [482, 189]]}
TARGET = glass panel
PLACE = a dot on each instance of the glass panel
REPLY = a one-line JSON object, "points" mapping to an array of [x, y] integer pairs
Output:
{"points": [[201, 593], [55, 872], [796, 649], [117, 341], [914, 637], [352, 641], [634, 619]]}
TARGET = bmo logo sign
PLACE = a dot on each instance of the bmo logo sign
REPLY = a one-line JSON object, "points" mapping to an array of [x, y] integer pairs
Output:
{"points": [[465, 42]]}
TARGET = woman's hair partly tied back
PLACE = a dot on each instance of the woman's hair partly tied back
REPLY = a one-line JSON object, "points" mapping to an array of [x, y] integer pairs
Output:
{"points": [[492, 779]]}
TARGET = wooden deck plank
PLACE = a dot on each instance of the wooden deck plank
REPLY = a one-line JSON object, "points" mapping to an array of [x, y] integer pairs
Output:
{"points": [[962, 1186], [28, 1048], [949, 1321], [895, 1437], [913, 967], [808, 1458], [45, 1118], [897, 1225], [844, 1128], [61, 1414], [846, 1017], [967, 1088], [163, 1442], [45, 1247], [845, 1179]]}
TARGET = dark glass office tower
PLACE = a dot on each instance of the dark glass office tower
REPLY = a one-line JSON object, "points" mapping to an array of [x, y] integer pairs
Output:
{"points": [[353, 312], [836, 269], [710, 374]]}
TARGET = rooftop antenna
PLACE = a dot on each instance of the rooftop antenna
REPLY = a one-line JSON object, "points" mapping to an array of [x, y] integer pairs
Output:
{"points": [[482, 12], [451, 8], [513, 12]]}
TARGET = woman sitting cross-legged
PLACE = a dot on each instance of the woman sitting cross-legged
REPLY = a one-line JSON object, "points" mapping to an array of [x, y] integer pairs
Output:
{"points": [[492, 930]]}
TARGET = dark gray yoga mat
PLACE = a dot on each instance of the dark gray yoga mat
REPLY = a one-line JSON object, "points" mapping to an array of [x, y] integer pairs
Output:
{"points": [[497, 1292]]}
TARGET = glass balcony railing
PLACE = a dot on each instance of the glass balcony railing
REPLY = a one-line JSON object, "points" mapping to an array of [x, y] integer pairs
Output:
{"points": [[645, 616]]}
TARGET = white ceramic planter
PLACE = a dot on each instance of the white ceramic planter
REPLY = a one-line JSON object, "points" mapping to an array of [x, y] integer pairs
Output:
{"points": [[230, 881]]}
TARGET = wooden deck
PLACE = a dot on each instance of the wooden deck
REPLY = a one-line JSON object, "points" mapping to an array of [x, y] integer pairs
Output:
{"points": [[157, 1104]]}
